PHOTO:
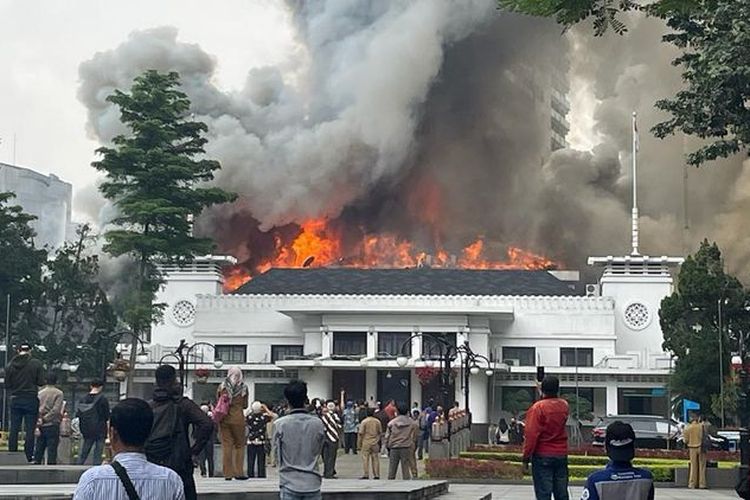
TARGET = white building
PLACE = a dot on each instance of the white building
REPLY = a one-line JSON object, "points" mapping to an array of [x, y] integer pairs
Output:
{"points": [[340, 329], [44, 196]]}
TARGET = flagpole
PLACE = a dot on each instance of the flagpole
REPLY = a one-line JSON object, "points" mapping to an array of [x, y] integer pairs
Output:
{"points": [[634, 221]]}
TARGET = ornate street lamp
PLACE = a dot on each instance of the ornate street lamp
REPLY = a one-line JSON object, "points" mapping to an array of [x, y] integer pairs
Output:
{"points": [[182, 355]]}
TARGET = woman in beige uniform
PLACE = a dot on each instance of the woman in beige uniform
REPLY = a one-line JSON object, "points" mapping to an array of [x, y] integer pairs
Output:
{"points": [[232, 427]]}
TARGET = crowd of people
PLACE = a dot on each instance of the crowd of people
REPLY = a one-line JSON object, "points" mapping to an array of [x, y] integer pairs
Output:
{"points": [[156, 445]]}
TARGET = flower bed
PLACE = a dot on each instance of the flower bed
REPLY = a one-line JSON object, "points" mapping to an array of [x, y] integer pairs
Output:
{"points": [[599, 451], [466, 468]]}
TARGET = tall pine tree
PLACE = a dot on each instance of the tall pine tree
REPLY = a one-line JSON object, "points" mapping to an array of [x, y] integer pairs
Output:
{"points": [[156, 177]]}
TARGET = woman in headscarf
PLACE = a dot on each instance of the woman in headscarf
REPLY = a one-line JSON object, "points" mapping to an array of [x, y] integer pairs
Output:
{"points": [[503, 432], [232, 427]]}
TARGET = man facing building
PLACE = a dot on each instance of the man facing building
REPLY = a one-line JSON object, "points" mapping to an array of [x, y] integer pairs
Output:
{"points": [[131, 422], [546, 443], [693, 436], [400, 439], [619, 480], [368, 442], [23, 378], [298, 442], [332, 424], [50, 416]]}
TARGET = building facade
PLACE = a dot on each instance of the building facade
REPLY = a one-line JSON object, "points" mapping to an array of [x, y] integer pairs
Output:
{"points": [[44, 196], [341, 330]]}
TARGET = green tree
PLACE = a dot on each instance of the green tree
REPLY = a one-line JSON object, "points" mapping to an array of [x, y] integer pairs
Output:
{"points": [[156, 177], [21, 265], [516, 401], [76, 309], [582, 406], [691, 322], [570, 12]]}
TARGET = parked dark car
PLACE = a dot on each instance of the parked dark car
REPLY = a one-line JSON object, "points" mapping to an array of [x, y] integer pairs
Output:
{"points": [[651, 431]]}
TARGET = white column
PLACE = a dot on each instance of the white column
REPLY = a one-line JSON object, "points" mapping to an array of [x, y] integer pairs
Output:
{"points": [[326, 343], [612, 398], [318, 382], [371, 385], [372, 343], [478, 398]]}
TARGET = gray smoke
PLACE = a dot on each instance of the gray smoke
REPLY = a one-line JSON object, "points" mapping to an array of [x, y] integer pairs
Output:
{"points": [[392, 100]]}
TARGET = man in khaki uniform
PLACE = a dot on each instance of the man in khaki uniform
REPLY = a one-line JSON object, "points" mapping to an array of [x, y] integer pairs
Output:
{"points": [[368, 442], [693, 435]]}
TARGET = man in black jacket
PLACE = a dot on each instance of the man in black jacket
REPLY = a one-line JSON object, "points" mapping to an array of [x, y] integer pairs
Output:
{"points": [[168, 391], [23, 378]]}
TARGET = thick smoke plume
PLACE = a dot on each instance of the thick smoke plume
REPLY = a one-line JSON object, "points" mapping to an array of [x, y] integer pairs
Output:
{"points": [[430, 120]]}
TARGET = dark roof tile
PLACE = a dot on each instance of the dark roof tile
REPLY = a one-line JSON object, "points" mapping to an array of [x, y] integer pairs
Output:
{"points": [[420, 281]]}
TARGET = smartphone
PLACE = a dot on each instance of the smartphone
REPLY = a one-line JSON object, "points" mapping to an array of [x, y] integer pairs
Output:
{"points": [[539, 373]]}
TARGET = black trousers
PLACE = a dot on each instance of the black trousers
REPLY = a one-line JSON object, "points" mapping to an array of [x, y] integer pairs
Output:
{"points": [[350, 442], [188, 484], [329, 458], [207, 456], [256, 452], [23, 408], [49, 439]]}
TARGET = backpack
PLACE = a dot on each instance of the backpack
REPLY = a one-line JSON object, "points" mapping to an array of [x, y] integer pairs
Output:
{"points": [[168, 445], [88, 417]]}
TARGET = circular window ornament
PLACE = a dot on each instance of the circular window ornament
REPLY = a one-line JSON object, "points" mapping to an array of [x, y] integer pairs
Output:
{"points": [[637, 316], [183, 313]]}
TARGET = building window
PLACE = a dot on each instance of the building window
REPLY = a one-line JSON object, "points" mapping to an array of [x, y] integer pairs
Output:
{"points": [[519, 356], [349, 344], [231, 353], [390, 343], [432, 347], [576, 356], [282, 352]]}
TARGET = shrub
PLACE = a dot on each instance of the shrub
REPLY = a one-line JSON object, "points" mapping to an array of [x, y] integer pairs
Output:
{"points": [[465, 468], [598, 451]]}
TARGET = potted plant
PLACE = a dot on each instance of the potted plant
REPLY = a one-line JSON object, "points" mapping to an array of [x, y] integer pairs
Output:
{"points": [[120, 368], [201, 375]]}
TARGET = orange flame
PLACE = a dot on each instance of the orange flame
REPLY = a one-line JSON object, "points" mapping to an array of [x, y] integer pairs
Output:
{"points": [[319, 245]]}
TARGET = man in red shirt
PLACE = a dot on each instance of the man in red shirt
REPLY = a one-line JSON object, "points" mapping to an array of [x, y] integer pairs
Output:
{"points": [[546, 442]]}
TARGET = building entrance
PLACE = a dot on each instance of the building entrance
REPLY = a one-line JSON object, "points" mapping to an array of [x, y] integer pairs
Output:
{"points": [[395, 385], [348, 385]]}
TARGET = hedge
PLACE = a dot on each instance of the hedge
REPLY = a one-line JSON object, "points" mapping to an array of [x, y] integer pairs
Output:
{"points": [[573, 459], [599, 451], [464, 468]]}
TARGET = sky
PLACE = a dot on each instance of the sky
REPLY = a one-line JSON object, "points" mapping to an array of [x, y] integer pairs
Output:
{"points": [[42, 43]]}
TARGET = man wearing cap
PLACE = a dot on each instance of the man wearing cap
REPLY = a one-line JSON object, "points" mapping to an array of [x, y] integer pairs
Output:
{"points": [[332, 423], [619, 480], [693, 436], [546, 443], [23, 378]]}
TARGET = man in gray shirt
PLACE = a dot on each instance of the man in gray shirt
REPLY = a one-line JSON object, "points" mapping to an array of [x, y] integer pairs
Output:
{"points": [[298, 441]]}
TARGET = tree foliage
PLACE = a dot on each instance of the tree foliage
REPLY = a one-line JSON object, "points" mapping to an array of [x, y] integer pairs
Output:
{"points": [[516, 401], [156, 177], [75, 308], [691, 324], [21, 264], [714, 105], [580, 405], [569, 12]]}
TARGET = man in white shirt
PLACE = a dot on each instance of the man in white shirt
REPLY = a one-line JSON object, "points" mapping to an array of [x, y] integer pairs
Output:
{"points": [[130, 425]]}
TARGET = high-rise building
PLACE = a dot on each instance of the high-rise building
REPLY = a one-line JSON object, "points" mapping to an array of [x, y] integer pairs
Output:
{"points": [[47, 197]]}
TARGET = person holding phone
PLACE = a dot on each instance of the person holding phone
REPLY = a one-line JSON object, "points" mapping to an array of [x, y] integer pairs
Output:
{"points": [[546, 442]]}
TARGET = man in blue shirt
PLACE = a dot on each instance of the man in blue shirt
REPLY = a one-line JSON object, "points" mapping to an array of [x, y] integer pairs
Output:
{"points": [[619, 480]]}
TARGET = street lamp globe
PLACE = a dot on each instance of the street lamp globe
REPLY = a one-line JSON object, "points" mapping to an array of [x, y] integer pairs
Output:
{"points": [[736, 362], [72, 368], [474, 370], [489, 372], [218, 363], [401, 361], [142, 358]]}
